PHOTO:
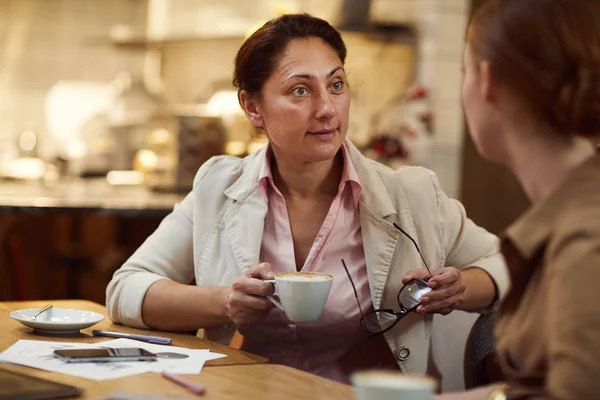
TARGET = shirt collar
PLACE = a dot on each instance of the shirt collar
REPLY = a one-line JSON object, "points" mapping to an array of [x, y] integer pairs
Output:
{"points": [[349, 176]]}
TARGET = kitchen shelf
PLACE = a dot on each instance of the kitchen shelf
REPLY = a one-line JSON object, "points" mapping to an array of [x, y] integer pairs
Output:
{"points": [[144, 43], [377, 32]]}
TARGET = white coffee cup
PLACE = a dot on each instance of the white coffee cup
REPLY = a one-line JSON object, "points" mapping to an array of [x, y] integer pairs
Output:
{"points": [[302, 295], [391, 385]]}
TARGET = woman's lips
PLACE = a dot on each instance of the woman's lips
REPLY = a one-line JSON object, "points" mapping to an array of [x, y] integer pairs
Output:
{"points": [[323, 135]]}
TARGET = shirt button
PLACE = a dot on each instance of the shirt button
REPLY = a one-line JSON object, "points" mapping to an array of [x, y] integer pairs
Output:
{"points": [[402, 353]]}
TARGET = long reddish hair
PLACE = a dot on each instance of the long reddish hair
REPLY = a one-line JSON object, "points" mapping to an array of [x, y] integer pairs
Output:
{"points": [[548, 51]]}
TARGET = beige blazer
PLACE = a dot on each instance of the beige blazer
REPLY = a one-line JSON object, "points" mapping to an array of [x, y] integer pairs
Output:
{"points": [[215, 234]]}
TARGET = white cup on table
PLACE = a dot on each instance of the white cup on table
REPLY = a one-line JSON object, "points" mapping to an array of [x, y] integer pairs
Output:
{"points": [[392, 385]]}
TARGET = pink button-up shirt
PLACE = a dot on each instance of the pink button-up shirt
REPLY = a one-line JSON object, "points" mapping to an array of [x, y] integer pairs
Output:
{"points": [[335, 345]]}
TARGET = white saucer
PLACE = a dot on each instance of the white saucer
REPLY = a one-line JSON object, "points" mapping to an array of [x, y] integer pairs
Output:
{"points": [[57, 320]]}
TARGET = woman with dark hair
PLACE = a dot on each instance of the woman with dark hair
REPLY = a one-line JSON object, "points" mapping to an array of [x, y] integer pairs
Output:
{"points": [[303, 203], [531, 95]]}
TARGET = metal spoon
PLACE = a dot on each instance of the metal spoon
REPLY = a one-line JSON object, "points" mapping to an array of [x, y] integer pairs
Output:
{"points": [[46, 307]]}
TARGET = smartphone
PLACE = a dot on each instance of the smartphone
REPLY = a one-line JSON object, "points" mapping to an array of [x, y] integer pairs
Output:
{"points": [[104, 355]]}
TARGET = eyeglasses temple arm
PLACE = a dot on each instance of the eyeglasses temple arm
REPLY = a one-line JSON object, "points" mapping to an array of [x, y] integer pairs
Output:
{"points": [[353, 287], [416, 245]]}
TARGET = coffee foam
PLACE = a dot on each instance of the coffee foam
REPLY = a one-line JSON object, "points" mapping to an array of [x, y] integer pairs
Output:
{"points": [[392, 379], [304, 276]]}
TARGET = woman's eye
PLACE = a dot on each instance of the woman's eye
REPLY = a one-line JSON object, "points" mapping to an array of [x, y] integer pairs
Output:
{"points": [[300, 91], [337, 85]]}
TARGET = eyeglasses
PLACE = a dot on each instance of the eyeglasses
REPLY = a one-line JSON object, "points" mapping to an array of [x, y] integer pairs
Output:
{"points": [[379, 321]]}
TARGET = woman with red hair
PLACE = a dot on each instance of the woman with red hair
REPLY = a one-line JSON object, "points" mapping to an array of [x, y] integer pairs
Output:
{"points": [[531, 95]]}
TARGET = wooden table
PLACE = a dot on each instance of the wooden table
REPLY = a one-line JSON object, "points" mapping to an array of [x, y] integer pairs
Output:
{"points": [[13, 330], [238, 376]]}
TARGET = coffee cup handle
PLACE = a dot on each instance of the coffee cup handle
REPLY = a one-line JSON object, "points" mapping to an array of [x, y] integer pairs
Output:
{"points": [[272, 299]]}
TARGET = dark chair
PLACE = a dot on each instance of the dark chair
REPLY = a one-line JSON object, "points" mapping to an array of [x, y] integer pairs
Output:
{"points": [[480, 364]]}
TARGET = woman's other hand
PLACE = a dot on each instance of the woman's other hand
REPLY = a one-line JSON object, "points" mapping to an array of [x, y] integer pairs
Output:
{"points": [[448, 289], [246, 303]]}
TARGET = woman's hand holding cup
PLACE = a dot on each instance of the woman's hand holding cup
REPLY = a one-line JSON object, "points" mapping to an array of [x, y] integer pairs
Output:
{"points": [[246, 301]]}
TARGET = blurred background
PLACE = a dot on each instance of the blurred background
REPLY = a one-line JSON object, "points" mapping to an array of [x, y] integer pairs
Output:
{"points": [[108, 108]]}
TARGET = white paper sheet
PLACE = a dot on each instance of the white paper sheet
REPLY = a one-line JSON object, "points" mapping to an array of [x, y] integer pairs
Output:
{"points": [[39, 354]]}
